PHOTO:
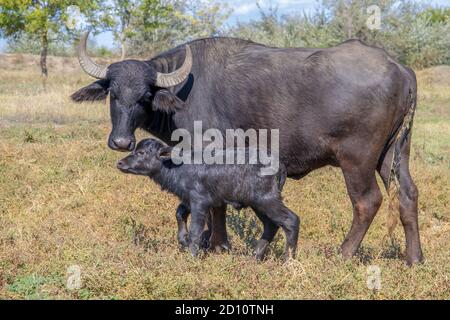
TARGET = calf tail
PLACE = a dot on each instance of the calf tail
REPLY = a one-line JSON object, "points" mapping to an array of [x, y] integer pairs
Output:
{"points": [[401, 137], [282, 175]]}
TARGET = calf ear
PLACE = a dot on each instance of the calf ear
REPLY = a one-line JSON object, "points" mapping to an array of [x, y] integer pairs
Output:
{"points": [[167, 101], [165, 153], [94, 92]]}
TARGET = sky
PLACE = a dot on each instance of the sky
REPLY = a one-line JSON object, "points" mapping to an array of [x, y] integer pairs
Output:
{"points": [[245, 10]]}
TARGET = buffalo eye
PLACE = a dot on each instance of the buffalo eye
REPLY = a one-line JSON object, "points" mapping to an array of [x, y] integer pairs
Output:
{"points": [[140, 153], [146, 97], [112, 95]]}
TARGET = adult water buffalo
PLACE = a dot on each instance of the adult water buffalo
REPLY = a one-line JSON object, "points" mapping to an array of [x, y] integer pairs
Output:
{"points": [[349, 106]]}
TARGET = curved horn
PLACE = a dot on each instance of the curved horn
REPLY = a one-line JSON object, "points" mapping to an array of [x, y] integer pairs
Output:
{"points": [[90, 67], [165, 80]]}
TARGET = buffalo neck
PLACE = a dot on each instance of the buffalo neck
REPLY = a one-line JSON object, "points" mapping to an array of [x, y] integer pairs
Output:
{"points": [[160, 124], [172, 178]]}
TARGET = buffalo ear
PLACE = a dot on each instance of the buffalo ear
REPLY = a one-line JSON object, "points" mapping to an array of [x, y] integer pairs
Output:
{"points": [[94, 92], [167, 101], [164, 153]]}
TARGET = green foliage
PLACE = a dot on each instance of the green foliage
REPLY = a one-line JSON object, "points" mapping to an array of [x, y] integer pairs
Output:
{"points": [[415, 35], [412, 32], [37, 17], [180, 21], [437, 15], [38, 20], [62, 46], [123, 15], [29, 43], [30, 286]]}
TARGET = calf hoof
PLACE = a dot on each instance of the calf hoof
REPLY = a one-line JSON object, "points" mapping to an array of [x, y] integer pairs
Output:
{"points": [[260, 249], [194, 249], [183, 241], [204, 241], [290, 254]]}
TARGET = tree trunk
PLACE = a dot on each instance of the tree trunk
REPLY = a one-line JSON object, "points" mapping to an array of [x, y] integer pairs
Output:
{"points": [[123, 46], [43, 61], [348, 20]]}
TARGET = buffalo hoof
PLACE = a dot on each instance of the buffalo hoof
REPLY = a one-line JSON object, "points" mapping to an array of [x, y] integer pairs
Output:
{"points": [[222, 247], [411, 261], [260, 249]]}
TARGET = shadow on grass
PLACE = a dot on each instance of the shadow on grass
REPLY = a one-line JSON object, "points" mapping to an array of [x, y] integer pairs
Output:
{"points": [[245, 225], [391, 251], [140, 235]]}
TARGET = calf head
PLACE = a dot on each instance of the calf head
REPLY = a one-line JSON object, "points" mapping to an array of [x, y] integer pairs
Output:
{"points": [[147, 159], [135, 88]]}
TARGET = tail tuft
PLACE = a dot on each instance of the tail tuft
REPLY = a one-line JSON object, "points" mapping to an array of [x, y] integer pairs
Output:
{"points": [[393, 185]]}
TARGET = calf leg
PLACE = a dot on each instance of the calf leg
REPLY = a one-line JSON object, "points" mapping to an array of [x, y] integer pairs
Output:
{"points": [[206, 234], [199, 212], [270, 230], [281, 216], [182, 216], [291, 228], [366, 199]]}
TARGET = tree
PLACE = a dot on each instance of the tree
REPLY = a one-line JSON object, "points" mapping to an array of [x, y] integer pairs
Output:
{"points": [[161, 24], [437, 15], [412, 32], [121, 14], [202, 18], [125, 15], [40, 19]]}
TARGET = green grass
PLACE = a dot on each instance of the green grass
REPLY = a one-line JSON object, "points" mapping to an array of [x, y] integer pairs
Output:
{"points": [[34, 287], [63, 203]]}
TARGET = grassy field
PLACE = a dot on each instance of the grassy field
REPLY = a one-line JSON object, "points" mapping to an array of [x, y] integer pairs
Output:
{"points": [[63, 204]]}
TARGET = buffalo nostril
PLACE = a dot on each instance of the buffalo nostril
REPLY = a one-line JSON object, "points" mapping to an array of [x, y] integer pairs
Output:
{"points": [[123, 143], [119, 164]]}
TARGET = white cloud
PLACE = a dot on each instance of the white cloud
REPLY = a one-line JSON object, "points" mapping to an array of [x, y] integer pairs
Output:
{"points": [[294, 2], [248, 7], [243, 9]]}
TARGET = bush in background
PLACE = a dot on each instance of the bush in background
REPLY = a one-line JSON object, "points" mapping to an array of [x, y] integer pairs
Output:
{"points": [[414, 34]]}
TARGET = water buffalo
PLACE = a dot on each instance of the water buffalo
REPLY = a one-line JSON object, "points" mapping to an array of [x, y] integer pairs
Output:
{"points": [[349, 106]]}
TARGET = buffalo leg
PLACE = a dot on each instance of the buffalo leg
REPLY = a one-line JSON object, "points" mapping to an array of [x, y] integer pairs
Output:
{"points": [[270, 230], [219, 237], [409, 216], [366, 199], [408, 198], [182, 216]]}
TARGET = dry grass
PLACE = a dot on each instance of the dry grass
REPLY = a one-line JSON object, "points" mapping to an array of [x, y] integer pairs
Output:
{"points": [[63, 203]]}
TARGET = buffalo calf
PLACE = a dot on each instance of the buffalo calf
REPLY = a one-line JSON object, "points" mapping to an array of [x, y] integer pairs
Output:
{"points": [[202, 187]]}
